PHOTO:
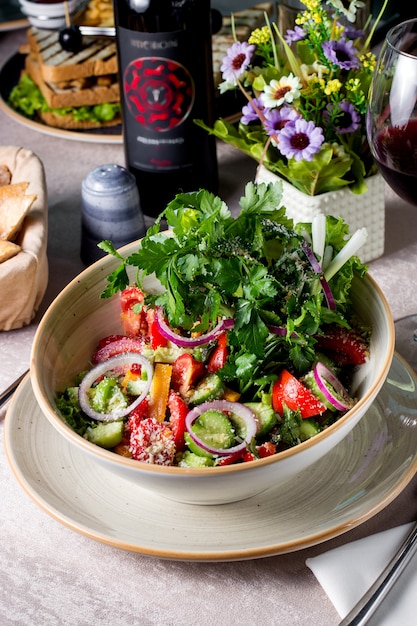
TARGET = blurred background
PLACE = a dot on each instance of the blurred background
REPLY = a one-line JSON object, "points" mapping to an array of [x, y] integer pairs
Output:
{"points": [[396, 11]]}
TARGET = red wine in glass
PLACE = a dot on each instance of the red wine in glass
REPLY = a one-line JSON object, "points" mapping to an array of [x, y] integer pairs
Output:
{"points": [[391, 123], [395, 151]]}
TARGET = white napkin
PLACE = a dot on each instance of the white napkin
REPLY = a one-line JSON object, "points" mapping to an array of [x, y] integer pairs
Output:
{"points": [[347, 572]]}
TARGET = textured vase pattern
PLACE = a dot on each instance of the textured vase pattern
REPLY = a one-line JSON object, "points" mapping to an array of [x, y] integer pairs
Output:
{"points": [[366, 210]]}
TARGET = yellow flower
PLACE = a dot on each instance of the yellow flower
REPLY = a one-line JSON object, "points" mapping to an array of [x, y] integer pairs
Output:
{"points": [[304, 18], [260, 36], [368, 61], [332, 86], [353, 84], [312, 5]]}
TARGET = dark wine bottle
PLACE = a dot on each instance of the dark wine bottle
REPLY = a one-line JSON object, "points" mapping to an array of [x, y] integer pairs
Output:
{"points": [[166, 80]]}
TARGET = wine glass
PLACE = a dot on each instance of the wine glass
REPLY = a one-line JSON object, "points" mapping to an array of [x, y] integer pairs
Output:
{"points": [[391, 122]]}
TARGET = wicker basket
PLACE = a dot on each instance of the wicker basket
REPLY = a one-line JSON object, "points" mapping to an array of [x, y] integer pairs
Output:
{"points": [[24, 277]]}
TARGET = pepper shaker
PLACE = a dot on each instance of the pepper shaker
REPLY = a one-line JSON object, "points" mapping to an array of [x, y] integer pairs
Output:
{"points": [[110, 210]]}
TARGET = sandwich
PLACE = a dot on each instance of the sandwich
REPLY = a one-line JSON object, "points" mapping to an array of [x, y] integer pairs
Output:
{"points": [[69, 90]]}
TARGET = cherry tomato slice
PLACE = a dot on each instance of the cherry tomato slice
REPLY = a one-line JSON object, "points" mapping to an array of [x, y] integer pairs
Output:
{"points": [[178, 412], [218, 357], [186, 371], [129, 297], [290, 391]]}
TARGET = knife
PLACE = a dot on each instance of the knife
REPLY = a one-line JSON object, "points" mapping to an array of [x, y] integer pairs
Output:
{"points": [[367, 605], [98, 31], [7, 394]]}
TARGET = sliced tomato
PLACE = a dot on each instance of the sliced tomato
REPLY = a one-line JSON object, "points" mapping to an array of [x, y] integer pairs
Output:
{"points": [[186, 371], [344, 346], [120, 345], [156, 340], [178, 412], [267, 449], [138, 413], [218, 357], [231, 458], [290, 391], [248, 456], [129, 297], [134, 323], [109, 339]]}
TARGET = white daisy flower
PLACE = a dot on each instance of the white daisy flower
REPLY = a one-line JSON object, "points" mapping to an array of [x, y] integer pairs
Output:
{"points": [[286, 89]]}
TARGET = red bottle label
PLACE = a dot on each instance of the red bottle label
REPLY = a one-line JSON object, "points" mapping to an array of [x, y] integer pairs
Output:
{"points": [[158, 99], [159, 93]]}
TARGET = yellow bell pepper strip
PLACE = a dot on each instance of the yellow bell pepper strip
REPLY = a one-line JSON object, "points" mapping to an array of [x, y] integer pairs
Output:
{"points": [[231, 395], [128, 377], [159, 391]]}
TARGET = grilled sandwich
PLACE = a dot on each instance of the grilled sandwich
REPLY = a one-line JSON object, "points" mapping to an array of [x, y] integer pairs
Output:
{"points": [[72, 90]]}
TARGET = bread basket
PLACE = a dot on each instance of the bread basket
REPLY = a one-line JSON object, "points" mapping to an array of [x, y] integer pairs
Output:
{"points": [[24, 277]]}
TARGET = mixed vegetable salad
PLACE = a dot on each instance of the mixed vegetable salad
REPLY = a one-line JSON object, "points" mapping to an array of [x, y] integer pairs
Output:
{"points": [[248, 348]]}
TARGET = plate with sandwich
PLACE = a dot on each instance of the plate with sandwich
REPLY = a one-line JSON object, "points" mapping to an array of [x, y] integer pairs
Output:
{"points": [[75, 95]]}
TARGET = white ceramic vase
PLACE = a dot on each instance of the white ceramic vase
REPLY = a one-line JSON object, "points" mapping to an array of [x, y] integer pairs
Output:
{"points": [[358, 210]]}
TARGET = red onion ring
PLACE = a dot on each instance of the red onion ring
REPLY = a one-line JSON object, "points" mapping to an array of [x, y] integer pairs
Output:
{"points": [[317, 269], [239, 409], [190, 342], [120, 360], [323, 374]]}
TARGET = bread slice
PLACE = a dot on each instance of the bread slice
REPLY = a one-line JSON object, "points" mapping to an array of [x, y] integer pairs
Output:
{"points": [[5, 175], [8, 249], [75, 93], [14, 206], [97, 57]]}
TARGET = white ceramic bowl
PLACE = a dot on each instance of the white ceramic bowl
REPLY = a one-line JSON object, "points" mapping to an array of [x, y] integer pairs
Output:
{"points": [[48, 15], [69, 332]]}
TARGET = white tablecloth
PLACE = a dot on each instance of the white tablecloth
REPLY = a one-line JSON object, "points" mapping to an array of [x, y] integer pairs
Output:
{"points": [[51, 575]]}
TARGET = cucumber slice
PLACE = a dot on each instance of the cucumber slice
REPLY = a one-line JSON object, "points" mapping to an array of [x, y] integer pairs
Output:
{"points": [[215, 429], [308, 429], [189, 459], [193, 447], [265, 415], [106, 435], [136, 387], [210, 388], [107, 396]]}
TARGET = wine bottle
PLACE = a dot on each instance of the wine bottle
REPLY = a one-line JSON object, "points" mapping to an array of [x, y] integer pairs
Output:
{"points": [[166, 80]]}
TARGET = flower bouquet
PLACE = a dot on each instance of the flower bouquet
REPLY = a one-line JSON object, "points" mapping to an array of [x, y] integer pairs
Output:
{"points": [[306, 93]]}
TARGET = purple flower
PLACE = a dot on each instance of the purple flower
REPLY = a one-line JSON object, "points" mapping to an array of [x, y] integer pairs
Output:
{"points": [[277, 119], [353, 33], [236, 61], [341, 53], [295, 35], [343, 117], [300, 140], [249, 113]]}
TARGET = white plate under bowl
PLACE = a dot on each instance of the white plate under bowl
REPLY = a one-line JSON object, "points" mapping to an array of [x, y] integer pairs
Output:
{"points": [[366, 471]]}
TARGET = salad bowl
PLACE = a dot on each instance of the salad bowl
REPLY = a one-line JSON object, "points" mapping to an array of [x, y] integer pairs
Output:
{"points": [[78, 318]]}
